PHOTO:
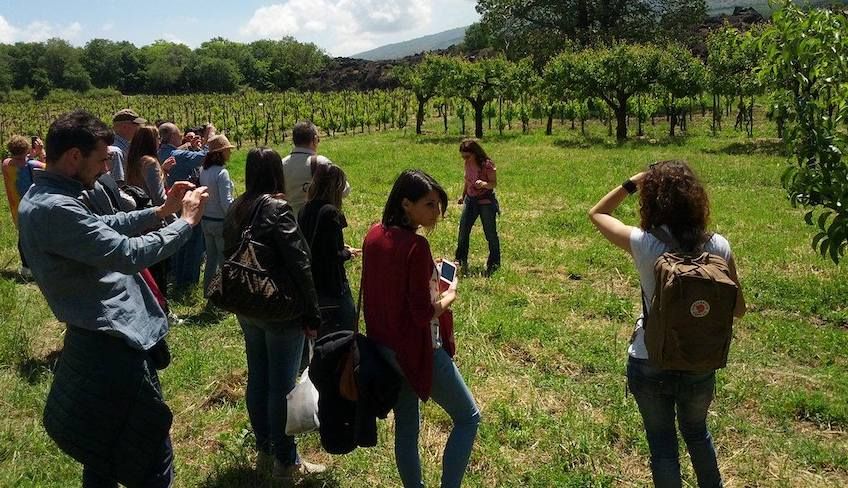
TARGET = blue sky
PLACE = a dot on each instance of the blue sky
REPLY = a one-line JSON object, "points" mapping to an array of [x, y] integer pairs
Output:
{"points": [[340, 27]]}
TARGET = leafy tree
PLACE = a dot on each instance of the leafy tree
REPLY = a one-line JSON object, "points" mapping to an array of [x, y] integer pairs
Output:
{"points": [[613, 74], [63, 66], [25, 58], [806, 57], [164, 66], [424, 80], [102, 59], [214, 74], [478, 82], [539, 28], [6, 75], [40, 83], [477, 37], [681, 75]]}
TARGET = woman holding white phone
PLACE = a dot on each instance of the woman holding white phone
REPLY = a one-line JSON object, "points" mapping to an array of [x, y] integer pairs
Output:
{"points": [[410, 319]]}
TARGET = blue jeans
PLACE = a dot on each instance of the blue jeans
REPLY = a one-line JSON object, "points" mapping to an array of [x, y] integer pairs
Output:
{"points": [[488, 214], [663, 394], [449, 392], [186, 261], [272, 363], [213, 236]]}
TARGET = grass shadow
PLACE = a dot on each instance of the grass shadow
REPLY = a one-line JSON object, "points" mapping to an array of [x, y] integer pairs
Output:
{"points": [[456, 139], [243, 476], [14, 276], [33, 370], [204, 318], [591, 142], [768, 147]]}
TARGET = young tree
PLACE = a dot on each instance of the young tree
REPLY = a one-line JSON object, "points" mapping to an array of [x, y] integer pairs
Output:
{"points": [[612, 74], [681, 75], [479, 82], [423, 80]]}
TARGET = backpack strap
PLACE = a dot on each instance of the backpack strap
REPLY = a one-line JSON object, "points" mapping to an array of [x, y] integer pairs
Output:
{"points": [[313, 164]]}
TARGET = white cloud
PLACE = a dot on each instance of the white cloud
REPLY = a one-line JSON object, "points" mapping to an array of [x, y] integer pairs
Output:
{"points": [[172, 38], [341, 26], [7, 32], [39, 31]]}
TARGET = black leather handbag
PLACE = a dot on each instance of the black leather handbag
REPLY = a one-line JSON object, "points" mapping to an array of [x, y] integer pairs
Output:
{"points": [[252, 281]]}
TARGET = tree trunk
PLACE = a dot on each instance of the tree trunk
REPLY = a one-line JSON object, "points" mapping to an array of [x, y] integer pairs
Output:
{"points": [[478, 105], [550, 128], [445, 117], [621, 121], [419, 117]]}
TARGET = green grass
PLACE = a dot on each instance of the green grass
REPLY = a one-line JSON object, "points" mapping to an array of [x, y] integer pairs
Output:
{"points": [[541, 344]]}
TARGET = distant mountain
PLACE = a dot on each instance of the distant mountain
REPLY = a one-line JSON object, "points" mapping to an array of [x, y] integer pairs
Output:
{"points": [[442, 40], [717, 7]]}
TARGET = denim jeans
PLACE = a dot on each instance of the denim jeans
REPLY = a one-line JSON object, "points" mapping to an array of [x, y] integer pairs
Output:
{"points": [[161, 476], [449, 392], [663, 394], [488, 214], [186, 261], [272, 362], [213, 236]]}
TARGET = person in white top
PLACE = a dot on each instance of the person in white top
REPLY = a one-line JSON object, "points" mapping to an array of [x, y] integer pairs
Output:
{"points": [[297, 167], [220, 187], [672, 197]]}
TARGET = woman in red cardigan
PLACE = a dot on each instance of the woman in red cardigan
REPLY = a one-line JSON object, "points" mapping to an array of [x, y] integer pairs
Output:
{"points": [[412, 322]]}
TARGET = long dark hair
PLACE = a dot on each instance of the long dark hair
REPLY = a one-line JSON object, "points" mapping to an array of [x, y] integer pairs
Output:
{"points": [[142, 153], [672, 195], [474, 147], [328, 184], [263, 175], [412, 184]]}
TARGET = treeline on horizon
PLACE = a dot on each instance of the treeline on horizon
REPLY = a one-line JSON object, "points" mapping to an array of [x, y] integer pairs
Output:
{"points": [[218, 65]]}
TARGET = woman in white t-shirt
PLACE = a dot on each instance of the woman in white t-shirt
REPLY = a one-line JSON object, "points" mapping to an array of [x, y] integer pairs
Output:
{"points": [[671, 197]]}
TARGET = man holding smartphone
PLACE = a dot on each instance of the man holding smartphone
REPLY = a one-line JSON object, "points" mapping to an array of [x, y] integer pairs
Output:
{"points": [[105, 407]]}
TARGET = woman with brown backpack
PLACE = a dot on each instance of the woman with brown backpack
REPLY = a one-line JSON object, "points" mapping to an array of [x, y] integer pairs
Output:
{"points": [[674, 213]]}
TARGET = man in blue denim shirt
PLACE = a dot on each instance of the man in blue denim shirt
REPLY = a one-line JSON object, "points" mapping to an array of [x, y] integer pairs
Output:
{"points": [[105, 407], [186, 262]]}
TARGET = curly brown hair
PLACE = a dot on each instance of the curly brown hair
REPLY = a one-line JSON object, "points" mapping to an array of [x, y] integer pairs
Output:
{"points": [[672, 195]]}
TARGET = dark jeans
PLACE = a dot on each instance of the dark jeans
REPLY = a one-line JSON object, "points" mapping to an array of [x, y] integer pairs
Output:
{"points": [[187, 260], [162, 474], [337, 313], [272, 361], [161, 477], [488, 214], [663, 394]]}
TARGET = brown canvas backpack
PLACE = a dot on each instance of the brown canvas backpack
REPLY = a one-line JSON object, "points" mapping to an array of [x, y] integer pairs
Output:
{"points": [[690, 323]]}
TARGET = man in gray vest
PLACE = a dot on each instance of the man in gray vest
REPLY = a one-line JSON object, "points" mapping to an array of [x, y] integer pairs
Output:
{"points": [[297, 166]]}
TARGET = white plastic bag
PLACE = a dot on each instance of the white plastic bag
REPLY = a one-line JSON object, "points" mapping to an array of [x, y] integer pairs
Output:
{"points": [[302, 405]]}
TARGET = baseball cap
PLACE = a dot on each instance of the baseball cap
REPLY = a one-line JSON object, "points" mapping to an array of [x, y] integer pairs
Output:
{"points": [[128, 115]]}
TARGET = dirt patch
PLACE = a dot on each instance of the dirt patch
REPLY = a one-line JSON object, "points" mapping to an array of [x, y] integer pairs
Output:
{"points": [[227, 390]]}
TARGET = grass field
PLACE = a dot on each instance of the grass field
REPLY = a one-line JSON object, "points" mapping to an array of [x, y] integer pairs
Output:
{"points": [[542, 344]]}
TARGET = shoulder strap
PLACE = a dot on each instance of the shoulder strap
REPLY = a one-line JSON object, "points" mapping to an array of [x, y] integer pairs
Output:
{"points": [[254, 214], [321, 211]]}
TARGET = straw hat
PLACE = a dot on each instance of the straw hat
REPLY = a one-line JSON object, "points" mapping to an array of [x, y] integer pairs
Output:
{"points": [[218, 143]]}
